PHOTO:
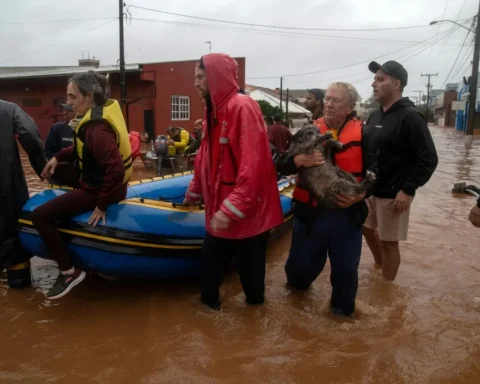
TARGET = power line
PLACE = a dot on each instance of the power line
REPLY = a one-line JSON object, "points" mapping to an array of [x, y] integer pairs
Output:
{"points": [[468, 56], [275, 26], [438, 28], [459, 52], [56, 42], [402, 59], [461, 9], [275, 33], [352, 65], [55, 21]]}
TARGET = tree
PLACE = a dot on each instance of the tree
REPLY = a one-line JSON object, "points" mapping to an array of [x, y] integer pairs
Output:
{"points": [[370, 103], [268, 110]]}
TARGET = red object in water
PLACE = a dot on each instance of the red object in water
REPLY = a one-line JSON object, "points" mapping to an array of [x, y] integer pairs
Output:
{"points": [[135, 143]]}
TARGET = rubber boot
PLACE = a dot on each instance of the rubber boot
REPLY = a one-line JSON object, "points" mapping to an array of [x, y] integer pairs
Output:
{"points": [[19, 276]]}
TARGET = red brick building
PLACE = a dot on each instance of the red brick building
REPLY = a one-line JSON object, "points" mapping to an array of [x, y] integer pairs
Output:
{"points": [[158, 94]]}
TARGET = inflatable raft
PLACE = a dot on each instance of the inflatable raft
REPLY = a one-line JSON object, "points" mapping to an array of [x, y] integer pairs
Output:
{"points": [[147, 235]]}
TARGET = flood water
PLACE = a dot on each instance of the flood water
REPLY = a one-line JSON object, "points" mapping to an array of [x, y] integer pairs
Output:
{"points": [[423, 328]]}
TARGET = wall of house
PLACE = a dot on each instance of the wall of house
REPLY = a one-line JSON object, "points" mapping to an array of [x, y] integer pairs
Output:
{"points": [[443, 109], [148, 92], [177, 79]]}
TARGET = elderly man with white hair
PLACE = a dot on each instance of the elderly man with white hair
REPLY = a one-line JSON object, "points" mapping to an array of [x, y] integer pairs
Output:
{"points": [[319, 231]]}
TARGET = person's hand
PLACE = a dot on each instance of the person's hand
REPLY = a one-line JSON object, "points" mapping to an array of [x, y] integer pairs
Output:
{"points": [[474, 216], [49, 169], [190, 204], [348, 201], [219, 221], [401, 203], [171, 142], [314, 159], [96, 216]]}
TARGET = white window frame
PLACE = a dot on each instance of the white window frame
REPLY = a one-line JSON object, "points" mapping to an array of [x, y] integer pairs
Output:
{"points": [[179, 107]]}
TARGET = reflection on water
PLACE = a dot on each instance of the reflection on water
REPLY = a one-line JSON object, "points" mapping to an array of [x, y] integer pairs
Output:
{"points": [[423, 328]]}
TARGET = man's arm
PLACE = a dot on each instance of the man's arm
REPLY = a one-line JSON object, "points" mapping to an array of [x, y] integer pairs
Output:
{"points": [[29, 138], [252, 138], [287, 166], [106, 153], [194, 190], [184, 137], [50, 146], [370, 156], [421, 142]]}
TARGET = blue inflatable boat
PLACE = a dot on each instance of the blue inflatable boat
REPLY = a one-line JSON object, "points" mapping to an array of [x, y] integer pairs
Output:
{"points": [[147, 235]]}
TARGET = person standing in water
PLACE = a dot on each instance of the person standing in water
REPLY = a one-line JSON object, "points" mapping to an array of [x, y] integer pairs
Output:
{"points": [[15, 123], [235, 177]]}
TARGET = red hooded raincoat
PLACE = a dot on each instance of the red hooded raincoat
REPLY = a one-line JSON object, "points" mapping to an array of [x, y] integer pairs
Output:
{"points": [[234, 170]]}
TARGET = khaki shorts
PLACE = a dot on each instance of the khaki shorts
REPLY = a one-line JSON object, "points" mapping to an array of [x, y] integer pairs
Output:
{"points": [[391, 226]]}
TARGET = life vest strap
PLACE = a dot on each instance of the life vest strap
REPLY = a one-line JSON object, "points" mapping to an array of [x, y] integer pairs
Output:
{"points": [[351, 144], [303, 196]]}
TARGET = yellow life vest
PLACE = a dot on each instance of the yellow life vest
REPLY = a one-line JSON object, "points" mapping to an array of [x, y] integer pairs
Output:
{"points": [[111, 113]]}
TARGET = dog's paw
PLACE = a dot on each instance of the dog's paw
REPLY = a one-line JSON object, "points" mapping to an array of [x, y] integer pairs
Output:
{"points": [[371, 176]]}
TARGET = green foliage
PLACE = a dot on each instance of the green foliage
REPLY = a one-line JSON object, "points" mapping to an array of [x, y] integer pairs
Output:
{"points": [[268, 110]]}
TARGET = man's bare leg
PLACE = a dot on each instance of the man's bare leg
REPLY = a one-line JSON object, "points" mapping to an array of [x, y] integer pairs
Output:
{"points": [[375, 245], [391, 259]]}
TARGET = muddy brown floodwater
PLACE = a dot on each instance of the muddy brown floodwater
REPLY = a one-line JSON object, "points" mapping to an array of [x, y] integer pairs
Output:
{"points": [[423, 328]]}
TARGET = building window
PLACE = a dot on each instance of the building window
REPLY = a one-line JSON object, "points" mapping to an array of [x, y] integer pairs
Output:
{"points": [[180, 108], [32, 102]]}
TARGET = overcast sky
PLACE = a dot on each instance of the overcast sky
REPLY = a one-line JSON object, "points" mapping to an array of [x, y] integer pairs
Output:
{"points": [[25, 41]]}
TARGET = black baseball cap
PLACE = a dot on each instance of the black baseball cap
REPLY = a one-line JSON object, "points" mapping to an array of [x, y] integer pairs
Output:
{"points": [[67, 107], [318, 93], [392, 68]]}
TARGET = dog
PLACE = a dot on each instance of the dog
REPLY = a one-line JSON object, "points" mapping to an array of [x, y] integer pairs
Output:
{"points": [[326, 181]]}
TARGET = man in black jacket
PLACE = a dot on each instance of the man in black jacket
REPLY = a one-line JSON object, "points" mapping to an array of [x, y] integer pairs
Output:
{"points": [[407, 160], [13, 187], [60, 135]]}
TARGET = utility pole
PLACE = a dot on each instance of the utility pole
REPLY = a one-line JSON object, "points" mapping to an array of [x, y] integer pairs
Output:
{"points": [[474, 85], [281, 92], [419, 97], [428, 91], [123, 89], [209, 46], [286, 109]]}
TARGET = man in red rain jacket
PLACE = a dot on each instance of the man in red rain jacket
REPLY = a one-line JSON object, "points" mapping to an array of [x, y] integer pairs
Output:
{"points": [[235, 176]]}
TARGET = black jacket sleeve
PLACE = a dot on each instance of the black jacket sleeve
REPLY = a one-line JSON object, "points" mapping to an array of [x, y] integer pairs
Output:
{"points": [[29, 138], [286, 166], [370, 156], [422, 145], [51, 147]]}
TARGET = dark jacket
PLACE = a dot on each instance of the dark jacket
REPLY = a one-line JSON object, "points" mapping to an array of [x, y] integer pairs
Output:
{"points": [[359, 211], [60, 136], [407, 156], [103, 169], [194, 143], [280, 137], [13, 187]]}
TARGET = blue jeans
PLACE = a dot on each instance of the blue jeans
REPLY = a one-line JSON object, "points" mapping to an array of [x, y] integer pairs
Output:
{"points": [[333, 233]]}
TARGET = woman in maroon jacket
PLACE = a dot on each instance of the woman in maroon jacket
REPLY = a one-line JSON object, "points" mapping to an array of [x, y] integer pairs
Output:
{"points": [[102, 175]]}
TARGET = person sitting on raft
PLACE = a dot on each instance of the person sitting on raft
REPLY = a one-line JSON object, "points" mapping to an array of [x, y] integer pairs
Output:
{"points": [[102, 156], [178, 140]]}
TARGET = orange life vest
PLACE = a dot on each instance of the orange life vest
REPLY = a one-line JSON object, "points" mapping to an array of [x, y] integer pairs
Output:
{"points": [[349, 160]]}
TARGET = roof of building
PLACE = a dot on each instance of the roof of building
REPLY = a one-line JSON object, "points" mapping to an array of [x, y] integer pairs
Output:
{"points": [[273, 100], [276, 92], [25, 72]]}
